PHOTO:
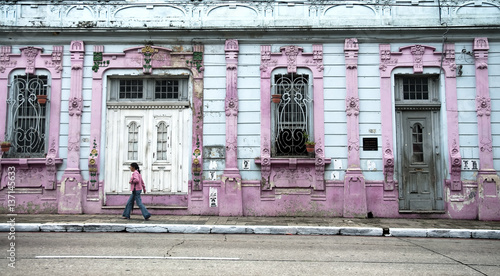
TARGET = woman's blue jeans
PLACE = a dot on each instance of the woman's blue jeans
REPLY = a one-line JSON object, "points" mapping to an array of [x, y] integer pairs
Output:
{"points": [[136, 195]]}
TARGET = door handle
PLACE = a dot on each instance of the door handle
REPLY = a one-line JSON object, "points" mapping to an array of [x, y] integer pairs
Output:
{"points": [[419, 169]]}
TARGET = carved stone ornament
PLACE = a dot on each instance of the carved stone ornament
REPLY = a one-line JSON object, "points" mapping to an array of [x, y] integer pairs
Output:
{"points": [[265, 57], [388, 167], [75, 106], [351, 48], [291, 53], [148, 52], [456, 168], [418, 52], [483, 106], [265, 165], [74, 145], [232, 107], [51, 166], [30, 53], [352, 106], [318, 57], [449, 56], [386, 57], [481, 47], [56, 59], [5, 62]]}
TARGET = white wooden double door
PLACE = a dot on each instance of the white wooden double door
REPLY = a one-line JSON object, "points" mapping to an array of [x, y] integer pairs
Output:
{"points": [[157, 139]]}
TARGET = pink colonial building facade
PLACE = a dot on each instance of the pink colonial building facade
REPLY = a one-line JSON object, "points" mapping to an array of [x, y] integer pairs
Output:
{"points": [[311, 108]]}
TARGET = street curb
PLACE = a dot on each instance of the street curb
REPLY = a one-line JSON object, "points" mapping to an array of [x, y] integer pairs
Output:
{"points": [[250, 229], [445, 233]]}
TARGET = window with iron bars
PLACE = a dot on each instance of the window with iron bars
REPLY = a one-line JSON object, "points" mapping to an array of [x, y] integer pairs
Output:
{"points": [[292, 116], [27, 116]]}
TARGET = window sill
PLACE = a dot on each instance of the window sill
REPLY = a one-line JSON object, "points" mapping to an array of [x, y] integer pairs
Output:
{"points": [[293, 162], [28, 161]]}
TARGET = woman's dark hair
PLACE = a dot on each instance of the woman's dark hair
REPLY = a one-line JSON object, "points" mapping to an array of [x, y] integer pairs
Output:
{"points": [[136, 167]]}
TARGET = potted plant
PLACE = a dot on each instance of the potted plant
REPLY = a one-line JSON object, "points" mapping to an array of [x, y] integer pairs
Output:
{"points": [[42, 99], [5, 146], [309, 144], [276, 98]]}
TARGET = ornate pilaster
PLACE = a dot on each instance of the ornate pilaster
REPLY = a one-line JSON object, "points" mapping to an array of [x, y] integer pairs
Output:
{"points": [[70, 193], [387, 63], [354, 182], [231, 197], [487, 178], [196, 65]]}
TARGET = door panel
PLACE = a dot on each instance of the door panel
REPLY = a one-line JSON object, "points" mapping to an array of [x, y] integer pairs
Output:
{"points": [[154, 138], [417, 141]]}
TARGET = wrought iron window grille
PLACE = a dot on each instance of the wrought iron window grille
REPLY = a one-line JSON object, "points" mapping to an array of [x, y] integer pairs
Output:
{"points": [[292, 116], [27, 122]]}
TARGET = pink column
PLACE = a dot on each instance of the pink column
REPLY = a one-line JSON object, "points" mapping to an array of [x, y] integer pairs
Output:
{"points": [[231, 194], [70, 200], [354, 182], [386, 117], [487, 179], [265, 117]]}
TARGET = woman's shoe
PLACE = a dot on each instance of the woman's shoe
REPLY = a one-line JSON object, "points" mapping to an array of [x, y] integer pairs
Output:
{"points": [[125, 218], [147, 218]]}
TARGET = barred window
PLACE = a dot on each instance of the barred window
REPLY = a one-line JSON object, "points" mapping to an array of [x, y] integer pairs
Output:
{"points": [[292, 115], [27, 116]]}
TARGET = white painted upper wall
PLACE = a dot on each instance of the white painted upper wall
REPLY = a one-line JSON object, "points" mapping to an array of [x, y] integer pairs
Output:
{"points": [[209, 14]]}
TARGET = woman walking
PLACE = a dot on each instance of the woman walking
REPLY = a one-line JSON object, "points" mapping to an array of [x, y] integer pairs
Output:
{"points": [[136, 186]]}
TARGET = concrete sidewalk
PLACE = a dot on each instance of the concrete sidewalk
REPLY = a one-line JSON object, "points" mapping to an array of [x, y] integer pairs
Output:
{"points": [[253, 225]]}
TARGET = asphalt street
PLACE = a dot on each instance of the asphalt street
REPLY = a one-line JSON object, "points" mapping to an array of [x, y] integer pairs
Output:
{"points": [[184, 254]]}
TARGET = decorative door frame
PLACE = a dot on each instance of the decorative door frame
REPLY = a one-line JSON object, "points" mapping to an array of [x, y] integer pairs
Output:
{"points": [[292, 57], [148, 58], [418, 57]]}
